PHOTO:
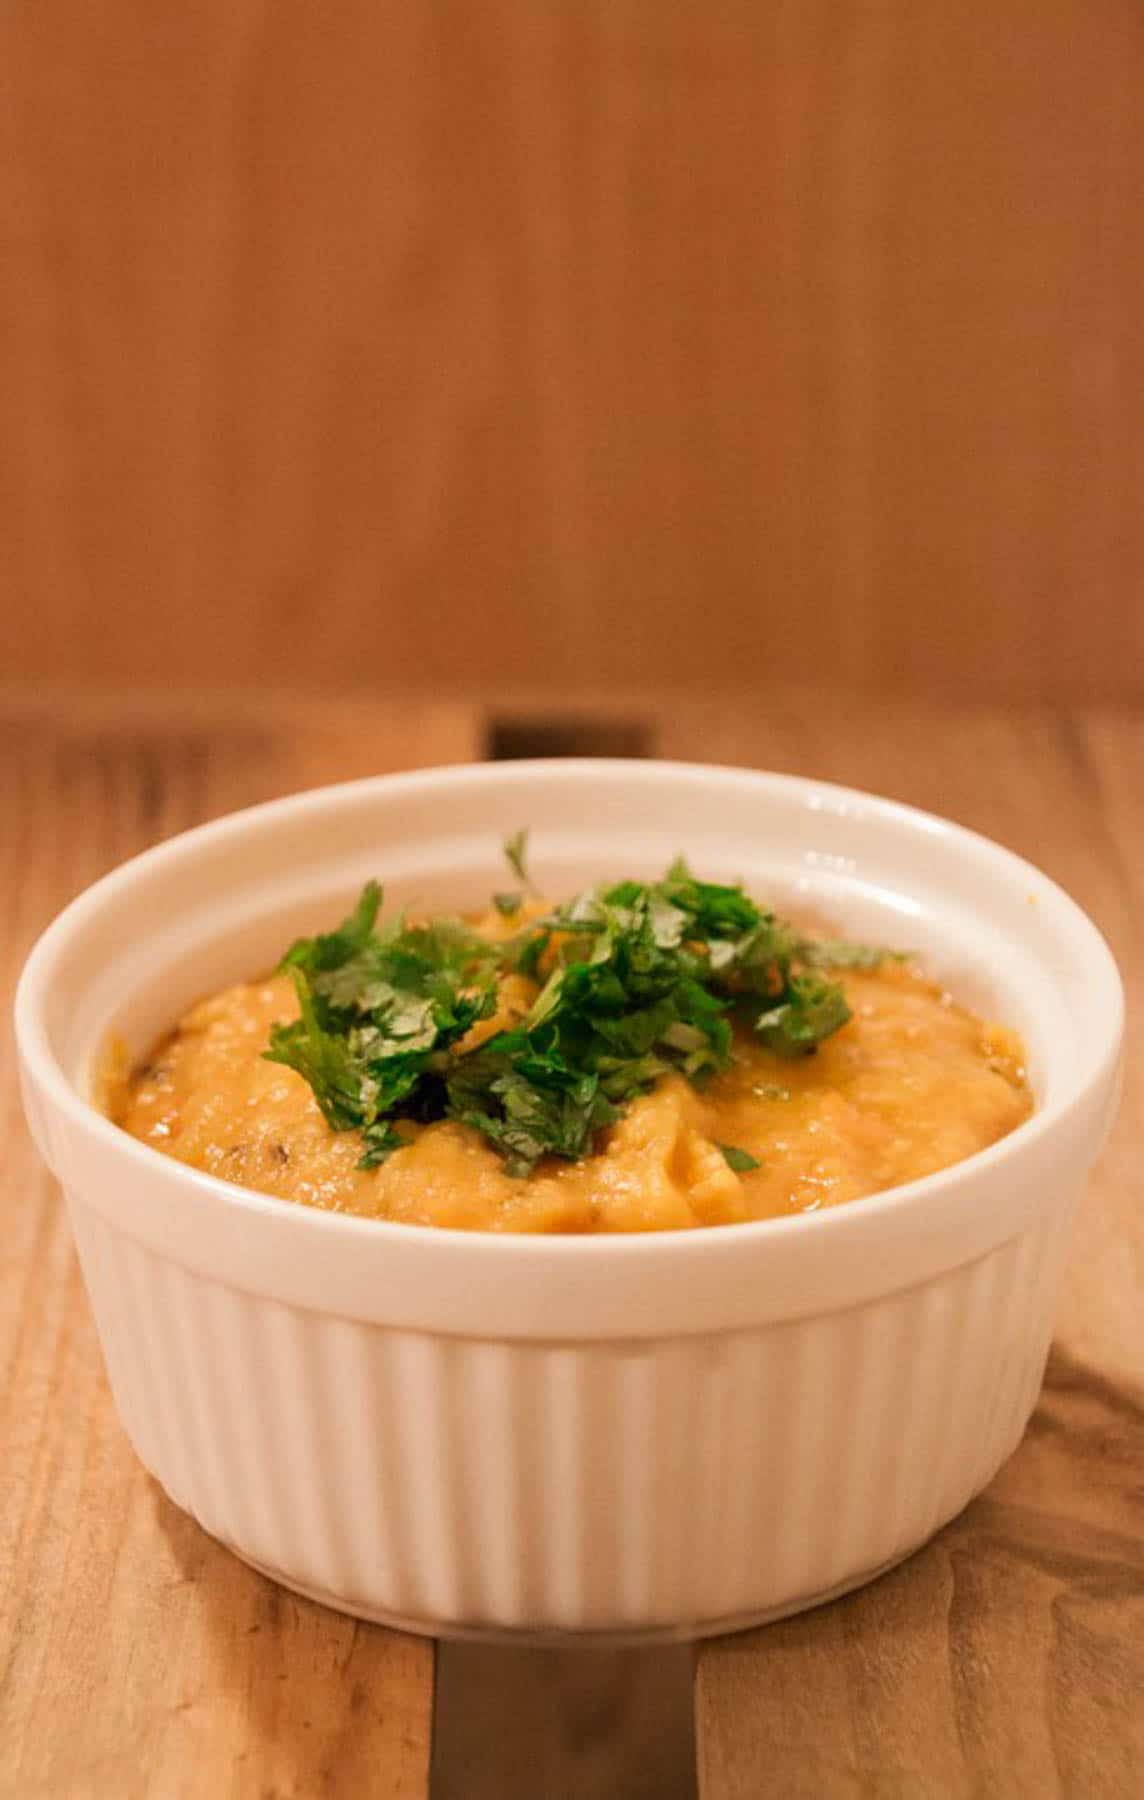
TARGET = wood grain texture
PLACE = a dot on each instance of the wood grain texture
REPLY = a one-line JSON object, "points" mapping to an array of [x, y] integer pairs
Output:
{"points": [[446, 344], [563, 1724], [138, 1657]]}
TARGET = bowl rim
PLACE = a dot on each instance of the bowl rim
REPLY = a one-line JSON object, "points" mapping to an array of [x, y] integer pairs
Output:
{"points": [[43, 1068]]}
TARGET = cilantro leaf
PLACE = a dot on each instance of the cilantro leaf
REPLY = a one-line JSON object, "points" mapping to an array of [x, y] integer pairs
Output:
{"points": [[811, 1011], [740, 1160], [333, 948], [840, 953], [539, 1107], [324, 1059], [635, 981], [515, 849], [376, 1007]]}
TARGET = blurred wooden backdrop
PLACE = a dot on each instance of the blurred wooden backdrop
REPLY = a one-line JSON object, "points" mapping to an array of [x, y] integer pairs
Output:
{"points": [[584, 342]]}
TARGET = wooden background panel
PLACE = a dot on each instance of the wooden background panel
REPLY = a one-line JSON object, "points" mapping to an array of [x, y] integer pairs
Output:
{"points": [[582, 342]]}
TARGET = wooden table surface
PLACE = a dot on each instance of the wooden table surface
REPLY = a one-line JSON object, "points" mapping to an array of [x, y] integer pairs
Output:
{"points": [[138, 1658]]}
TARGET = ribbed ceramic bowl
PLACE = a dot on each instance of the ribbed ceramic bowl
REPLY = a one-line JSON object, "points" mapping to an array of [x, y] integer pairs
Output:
{"points": [[667, 1434]]}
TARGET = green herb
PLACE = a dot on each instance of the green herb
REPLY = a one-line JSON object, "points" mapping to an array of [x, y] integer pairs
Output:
{"points": [[333, 948], [638, 980], [811, 1010], [740, 1160], [837, 953], [377, 1007], [515, 848]]}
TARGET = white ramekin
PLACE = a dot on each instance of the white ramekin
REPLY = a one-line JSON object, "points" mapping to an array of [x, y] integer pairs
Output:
{"points": [[667, 1434]]}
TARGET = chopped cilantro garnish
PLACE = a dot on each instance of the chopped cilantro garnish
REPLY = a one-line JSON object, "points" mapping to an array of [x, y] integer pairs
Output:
{"points": [[809, 1011], [333, 948], [636, 980]]}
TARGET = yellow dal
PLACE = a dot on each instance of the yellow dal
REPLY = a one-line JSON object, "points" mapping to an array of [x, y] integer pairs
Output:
{"points": [[910, 1085]]}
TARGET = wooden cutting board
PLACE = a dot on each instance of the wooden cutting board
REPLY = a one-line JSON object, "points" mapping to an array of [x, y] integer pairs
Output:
{"points": [[138, 1658]]}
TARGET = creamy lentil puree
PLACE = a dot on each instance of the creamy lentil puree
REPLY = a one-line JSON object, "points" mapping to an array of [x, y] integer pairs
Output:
{"points": [[912, 1083]]}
